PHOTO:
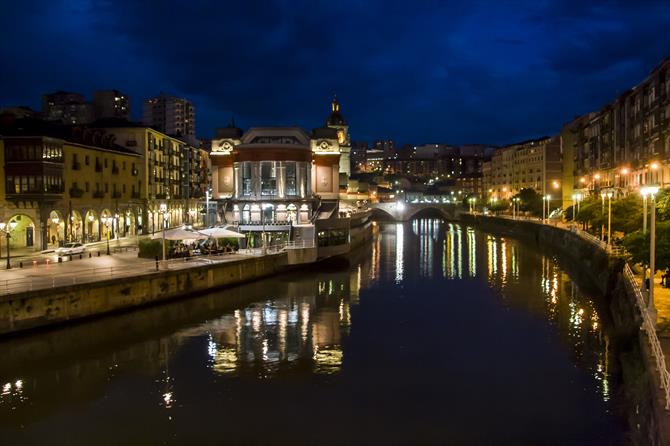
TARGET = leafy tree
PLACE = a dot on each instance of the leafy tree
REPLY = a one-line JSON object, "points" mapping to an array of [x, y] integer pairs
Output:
{"points": [[590, 213], [530, 201], [637, 244], [662, 205], [499, 205]]}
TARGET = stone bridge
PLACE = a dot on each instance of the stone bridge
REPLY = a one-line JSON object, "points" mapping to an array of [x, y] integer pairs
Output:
{"points": [[402, 211]]}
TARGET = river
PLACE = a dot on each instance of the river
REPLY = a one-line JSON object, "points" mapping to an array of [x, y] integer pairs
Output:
{"points": [[435, 333]]}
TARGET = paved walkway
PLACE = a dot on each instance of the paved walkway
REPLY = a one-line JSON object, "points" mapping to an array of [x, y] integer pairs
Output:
{"points": [[124, 264]]}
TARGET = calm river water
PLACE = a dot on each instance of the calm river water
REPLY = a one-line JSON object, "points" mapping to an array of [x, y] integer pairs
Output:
{"points": [[436, 333]]}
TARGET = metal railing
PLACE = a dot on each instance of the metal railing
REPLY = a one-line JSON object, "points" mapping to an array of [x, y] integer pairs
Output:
{"points": [[649, 327], [300, 244]]}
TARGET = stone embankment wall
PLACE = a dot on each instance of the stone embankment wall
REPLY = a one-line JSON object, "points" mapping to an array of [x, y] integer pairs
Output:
{"points": [[28, 310], [588, 264]]}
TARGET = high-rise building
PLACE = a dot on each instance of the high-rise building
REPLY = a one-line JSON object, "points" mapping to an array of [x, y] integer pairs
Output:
{"points": [[172, 116], [66, 107], [387, 146], [111, 104]]}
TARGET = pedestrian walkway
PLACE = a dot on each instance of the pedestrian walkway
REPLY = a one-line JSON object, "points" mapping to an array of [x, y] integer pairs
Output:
{"points": [[125, 264]]}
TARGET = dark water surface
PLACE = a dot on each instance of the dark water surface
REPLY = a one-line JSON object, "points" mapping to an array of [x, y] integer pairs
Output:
{"points": [[435, 334]]}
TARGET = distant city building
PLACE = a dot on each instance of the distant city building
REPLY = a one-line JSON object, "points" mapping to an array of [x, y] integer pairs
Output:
{"points": [[111, 104], [374, 161], [66, 107], [534, 164], [624, 145], [172, 116], [357, 157], [387, 146]]}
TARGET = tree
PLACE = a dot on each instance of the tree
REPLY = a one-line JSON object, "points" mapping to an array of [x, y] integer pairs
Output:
{"points": [[590, 213], [499, 205], [530, 201], [637, 245]]}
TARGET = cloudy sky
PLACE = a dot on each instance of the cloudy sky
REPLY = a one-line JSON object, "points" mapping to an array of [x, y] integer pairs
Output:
{"points": [[493, 71]]}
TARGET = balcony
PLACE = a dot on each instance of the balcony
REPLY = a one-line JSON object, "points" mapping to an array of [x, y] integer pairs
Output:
{"points": [[135, 195], [75, 192], [116, 194], [115, 170], [161, 196], [98, 194], [76, 165]]}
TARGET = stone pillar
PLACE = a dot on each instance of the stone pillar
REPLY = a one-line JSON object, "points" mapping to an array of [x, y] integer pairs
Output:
{"points": [[281, 179]]}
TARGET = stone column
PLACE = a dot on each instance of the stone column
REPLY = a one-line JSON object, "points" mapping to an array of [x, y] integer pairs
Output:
{"points": [[281, 179]]}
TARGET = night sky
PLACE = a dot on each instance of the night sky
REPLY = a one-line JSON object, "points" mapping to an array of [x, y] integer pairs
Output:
{"points": [[458, 72]]}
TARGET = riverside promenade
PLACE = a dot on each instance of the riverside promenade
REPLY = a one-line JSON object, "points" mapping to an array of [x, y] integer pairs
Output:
{"points": [[45, 293], [42, 275]]}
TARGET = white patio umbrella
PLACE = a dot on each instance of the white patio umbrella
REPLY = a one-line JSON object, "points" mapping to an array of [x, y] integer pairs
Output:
{"points": [[221, 233], [179, 234]]}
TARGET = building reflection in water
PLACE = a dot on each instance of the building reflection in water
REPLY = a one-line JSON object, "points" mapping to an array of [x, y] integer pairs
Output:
{"points": [[286, 332], [300, 325]]}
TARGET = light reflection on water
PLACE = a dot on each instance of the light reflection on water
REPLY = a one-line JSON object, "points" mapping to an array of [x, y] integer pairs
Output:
{"points": [[299, 326]]}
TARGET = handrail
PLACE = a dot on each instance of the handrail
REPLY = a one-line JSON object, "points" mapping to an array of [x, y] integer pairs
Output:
{"points": [[648, 326], [299, 244]]}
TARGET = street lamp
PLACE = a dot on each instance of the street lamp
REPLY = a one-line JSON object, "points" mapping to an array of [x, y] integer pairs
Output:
{"points": [[7, 229], [602, 212], [90, 227], [515, 207], [651, 191], [547, 199], [163, 211], [106, 221], [609, 218]]}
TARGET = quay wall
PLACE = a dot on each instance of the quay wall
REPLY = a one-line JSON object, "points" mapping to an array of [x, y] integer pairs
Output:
{"points": [[39, 308], [587, 264]]}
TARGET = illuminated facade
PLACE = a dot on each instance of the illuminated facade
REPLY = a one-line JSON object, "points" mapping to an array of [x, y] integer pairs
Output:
{"points": [[170, 172], [624, 145], [60, 191], [271, 179], [534, 164]]}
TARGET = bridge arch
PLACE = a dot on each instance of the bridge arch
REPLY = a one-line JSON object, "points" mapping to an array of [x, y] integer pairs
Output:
{"points": [[383, 215], [430, 212]]}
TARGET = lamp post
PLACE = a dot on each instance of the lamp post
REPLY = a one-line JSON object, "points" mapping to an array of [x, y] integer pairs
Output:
{"points": [[651, 191], [547, 199], [602, 213], [106, 220], [515, 207], [90, 227], [609, 218], [7, 229], [163, 211]]}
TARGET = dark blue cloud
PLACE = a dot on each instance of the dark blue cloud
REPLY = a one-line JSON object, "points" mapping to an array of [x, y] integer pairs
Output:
{"points": [[479, 71]]}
